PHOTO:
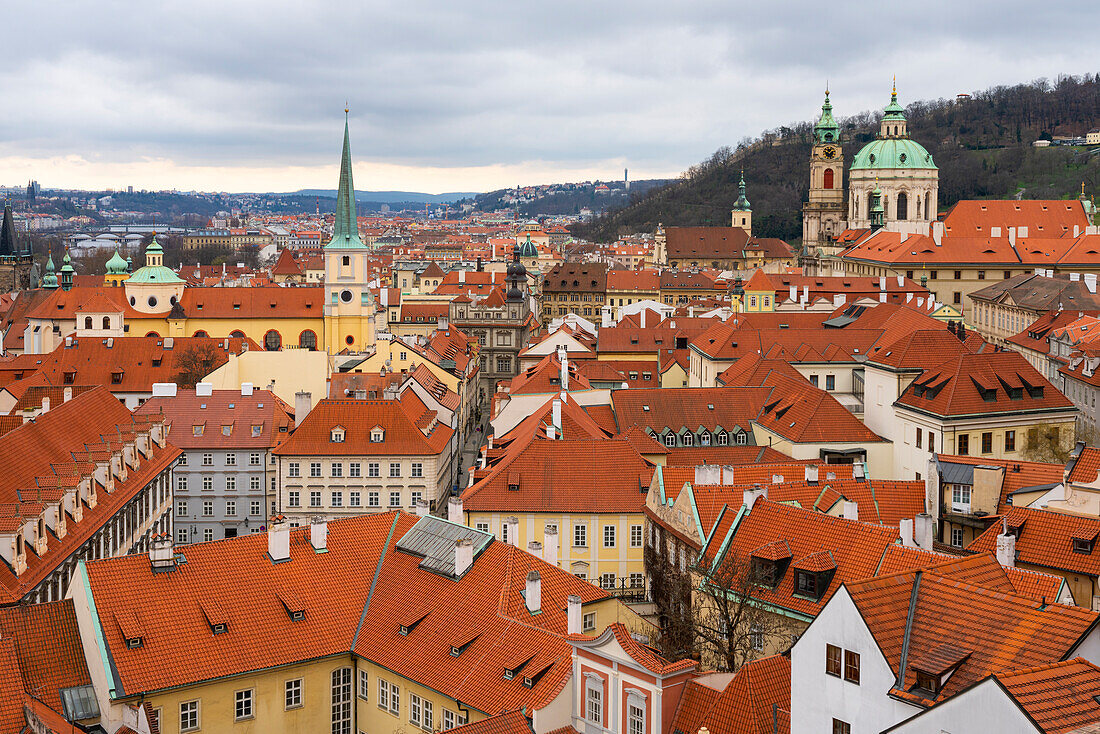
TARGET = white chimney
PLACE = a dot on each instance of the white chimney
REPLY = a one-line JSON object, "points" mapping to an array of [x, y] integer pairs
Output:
{"points": [[851, 510], [937, 233], [535, 548], [278, 539], [550, 546], [534, 591], [557, 418], [1006, 546], [513, 530], [606, 317], [464, 555], [811, 473], [302, 402], [901, 281], [643, 318], [421, 508], [908, 296], [1074, 277], [573, 614], [750, 496], [550, 431], [882, 296], [1022, 232], [45, 405], [922, 531], [461, 276], [882, 282], [454, 510], [246, 388], [204, 390], [1090, 282], [161, 554], [994, 231], [905, 530], [563, 357], [1012, 236], [67, 393], [318, 533]]}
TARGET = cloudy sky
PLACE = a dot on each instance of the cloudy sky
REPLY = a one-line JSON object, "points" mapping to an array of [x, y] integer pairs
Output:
{"points": [[237, 95]]}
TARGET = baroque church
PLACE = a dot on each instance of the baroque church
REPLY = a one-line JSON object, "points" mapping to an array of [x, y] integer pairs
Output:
{"points": [[892, 180]]}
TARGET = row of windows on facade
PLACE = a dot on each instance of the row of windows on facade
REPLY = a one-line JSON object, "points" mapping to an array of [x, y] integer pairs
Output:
{"points": [[962, 441], [586, 297], [183, 481], [355, 469], [254, 458], [421, 711], [504, 338], [355, 498], [594, 709], [183, 536], [720, 438], [580, 534], [504, 364], [255, 508]]}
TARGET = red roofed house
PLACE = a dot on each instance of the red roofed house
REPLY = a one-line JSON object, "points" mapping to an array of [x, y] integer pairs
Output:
{"points": [[755, 700], [884, 650], [350, 457]]}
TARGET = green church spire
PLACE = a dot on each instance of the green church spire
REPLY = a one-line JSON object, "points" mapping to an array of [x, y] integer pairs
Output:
{"points": [[49, 280], [878, 212], [742, 203], [894, 111], [345, 231], [67, 272], [826, 130]]}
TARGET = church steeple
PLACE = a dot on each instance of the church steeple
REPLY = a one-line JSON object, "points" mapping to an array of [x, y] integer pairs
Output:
{"points": [[7, 233], [67, 272], [878, 213], [826, 130], [345, 231], [894, 124], [742, 203], [49, 280]]}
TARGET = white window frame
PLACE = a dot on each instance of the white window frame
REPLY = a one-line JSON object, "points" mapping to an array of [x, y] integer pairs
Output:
{"points": [[637, 536], [292, 694], [580, 535], [244, 704], [593, 699], [609, 534], [193, 710]]}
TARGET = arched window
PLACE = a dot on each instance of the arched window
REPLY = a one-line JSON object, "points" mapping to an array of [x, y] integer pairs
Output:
{"points": [[828, 182], [927, 207], [88, 322], [869, 199], [273, 340], [689, 439], [903, 206], [106, 322], [201, 333], [237, 334], [153, 333], [307, 340]]}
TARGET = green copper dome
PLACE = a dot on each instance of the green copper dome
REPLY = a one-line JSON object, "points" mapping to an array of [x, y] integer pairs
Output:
{"points": [[742, 204], [528, 249], [116, 265], [49, 280], [826, 130], [154, 274], [893, 153]]}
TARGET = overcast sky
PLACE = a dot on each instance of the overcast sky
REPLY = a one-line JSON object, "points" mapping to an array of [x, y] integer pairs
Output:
{"points": [[451, 95]]}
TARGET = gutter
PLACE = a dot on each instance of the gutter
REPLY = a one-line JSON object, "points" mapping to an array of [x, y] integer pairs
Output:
{"points": [[908, 630]]}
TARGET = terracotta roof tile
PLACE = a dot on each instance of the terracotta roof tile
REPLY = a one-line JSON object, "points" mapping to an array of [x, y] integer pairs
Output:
{"points": [[1061, 697], [740, 703], [399, 419]]}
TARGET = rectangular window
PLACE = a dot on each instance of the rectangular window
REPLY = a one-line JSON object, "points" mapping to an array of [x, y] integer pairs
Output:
{"points": [[315, 468], [607, 581], [452, 719], [588, 622], [242, 708], [254, 507], [208, 459], [1010, 440], [353, 499], [851, 666], [337, 499], [372, 469], [189, 715], [208, 484], [293, 469], [231, 484], [207, 535], [294, 498], [230, 508], [395, 700], [253, 459], [919, 432], [957, 297], [315, 498], [364, 688], [395, 499], [987, 442], [841, 727], [428, 716], [181, 535], [208, 508], [181, 483], [395, 469], [635, 716], [373, 499], [813, 380], [230, 459], [337, 469], [482, 527], [594, 703], [608, 536], [293, 698], [254, 483], [635, 536], [415, 703], [417, 469], [341, 701], [383, 694], [957, 537], [833, 658], [958, 275], [963, 444], [354, 470], [580, 536], [181, 509]]}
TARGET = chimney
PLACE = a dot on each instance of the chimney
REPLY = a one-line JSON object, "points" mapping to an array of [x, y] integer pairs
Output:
{"points": [[246, 389], [302, 402], [905, 530], [882, 282], [750, 495], [45, 405], [563, 357], [278, 539], [922, 531], [1074, 277], [535, 548], [606, 311], [882, 296], [557, 418], [643, 317], [1090, 282], [421, 508], [513, 530], [550, 546], [163, 389], [811, 473], [573, 614], [901, 281], [1006, 546], [550, 431], [464, 556], [68, 394], [461, 276], [454, 510], [937, 233], [534, 592], [204, 390], [318, 534], [851, 510], [161, 555], [793, 293]]}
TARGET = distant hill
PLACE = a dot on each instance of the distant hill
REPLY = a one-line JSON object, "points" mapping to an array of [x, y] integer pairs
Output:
{"points": [[389, 197], [568, 198], [982, 147]]}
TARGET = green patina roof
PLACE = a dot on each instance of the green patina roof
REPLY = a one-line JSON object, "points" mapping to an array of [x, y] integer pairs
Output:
{"points": [[892, 153], [527, 249], [894, 111], [345, 231], [49, 280], [116, 265], [154, 274], [742, 203], [827, 124]]}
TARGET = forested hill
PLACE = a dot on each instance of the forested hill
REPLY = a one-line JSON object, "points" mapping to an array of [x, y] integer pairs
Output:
{"points": [[982, 147]]}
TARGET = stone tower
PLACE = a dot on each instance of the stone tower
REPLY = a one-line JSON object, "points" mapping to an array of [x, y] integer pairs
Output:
{"points": [[741, 216], [823, 216], [16, 264]]}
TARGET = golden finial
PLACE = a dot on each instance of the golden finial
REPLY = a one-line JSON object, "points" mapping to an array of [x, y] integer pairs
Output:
{"points": [[1082, 188], [347, 107], [895, 83], [826, 87]]}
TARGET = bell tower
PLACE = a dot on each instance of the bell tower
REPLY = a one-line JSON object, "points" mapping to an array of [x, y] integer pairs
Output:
{"points": [[823, 215]]}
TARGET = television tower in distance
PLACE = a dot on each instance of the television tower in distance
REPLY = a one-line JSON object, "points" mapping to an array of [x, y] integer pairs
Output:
{"points": [[626, 178]]}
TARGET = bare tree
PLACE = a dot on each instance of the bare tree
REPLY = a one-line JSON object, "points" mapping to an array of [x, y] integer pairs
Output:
{"points": [[1050, 443], [731, 626], [196, 362]]}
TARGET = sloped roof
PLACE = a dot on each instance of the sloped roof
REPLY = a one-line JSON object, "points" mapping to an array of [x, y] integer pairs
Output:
{"points": [[400, 419], [1061, 697], [738, 704], [1045, 539], [254, 421], [705, 242]]}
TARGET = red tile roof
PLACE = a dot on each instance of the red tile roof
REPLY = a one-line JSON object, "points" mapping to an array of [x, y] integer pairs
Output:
{"points": [[1087, 466], [254, 421], [738, 704], [1060, 697], [689, 407], [1045, 539], [509, 722], [48, 651]]}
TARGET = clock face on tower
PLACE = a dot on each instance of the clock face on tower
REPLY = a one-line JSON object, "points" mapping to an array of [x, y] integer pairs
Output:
{"points": [[829, 152]]}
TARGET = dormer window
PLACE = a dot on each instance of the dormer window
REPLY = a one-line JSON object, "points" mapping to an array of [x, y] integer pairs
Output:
{"points": [[806, 583], [460, 648], [337, 435], [377, 434], [134, 642], [1084, 541], [927, 684], [197, 430]]}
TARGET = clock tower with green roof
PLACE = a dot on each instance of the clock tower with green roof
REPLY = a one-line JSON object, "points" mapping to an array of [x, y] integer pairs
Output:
{"points": [[824, 214]]}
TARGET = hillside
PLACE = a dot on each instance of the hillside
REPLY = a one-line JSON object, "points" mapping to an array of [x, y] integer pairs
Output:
{"points": [[982, 147]]}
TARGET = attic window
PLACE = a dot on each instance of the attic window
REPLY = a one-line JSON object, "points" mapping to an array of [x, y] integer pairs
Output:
{"points": [[460, 648], [294, 607], [258, 430], [337, 435], [645, 408], [197, 430], [377, 435], [116, 377], [927, 683], [69, 378], [134, 642], [530, 681], [227, 430]]}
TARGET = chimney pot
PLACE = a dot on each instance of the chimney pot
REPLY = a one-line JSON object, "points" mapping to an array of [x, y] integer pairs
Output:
{"points": [[454, 510], [573, 614], [464, 556], [278, 539], [534, 592], [318, 533]]}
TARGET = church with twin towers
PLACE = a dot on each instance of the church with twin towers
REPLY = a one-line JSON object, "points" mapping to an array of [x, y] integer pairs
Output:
{"points": [[892, 179]]}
